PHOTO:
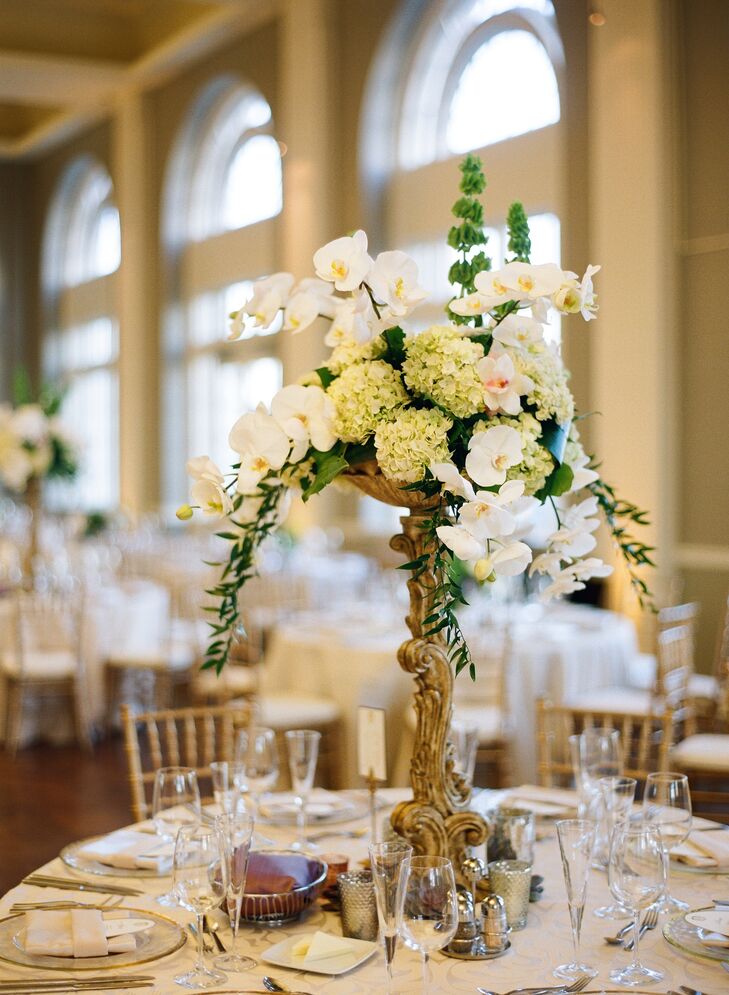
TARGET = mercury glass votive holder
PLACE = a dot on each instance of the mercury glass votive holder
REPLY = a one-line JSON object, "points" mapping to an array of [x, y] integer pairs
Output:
{"points": [[511, 879], [359, 907]]}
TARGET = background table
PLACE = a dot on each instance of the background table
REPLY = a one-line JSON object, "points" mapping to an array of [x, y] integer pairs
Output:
{"points": [[535, 951]]}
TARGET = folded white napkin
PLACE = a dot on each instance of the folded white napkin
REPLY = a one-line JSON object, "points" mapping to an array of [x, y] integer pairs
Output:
{"points": [[321, 946], [704, 849], [71, 933], [129, 849], [321, 803], [550, 802]]}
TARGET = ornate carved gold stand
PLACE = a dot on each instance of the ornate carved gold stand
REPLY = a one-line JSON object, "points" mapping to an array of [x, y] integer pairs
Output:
{"points": [[437, 821], [33, 501]]}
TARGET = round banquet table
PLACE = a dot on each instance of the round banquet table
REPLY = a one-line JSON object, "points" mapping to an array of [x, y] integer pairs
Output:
{"points": [[349, 654], [535, 951]]}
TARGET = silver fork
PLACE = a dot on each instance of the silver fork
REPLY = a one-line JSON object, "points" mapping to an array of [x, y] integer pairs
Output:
{"points": [[110, 902], [650, 921], [576, 986]]}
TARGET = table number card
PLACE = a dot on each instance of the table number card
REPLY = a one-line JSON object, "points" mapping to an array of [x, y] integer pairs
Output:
{"points": [[371, 743]]}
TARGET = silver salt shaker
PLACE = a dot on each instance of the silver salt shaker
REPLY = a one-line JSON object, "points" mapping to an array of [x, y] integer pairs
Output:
{"points": [[494, 925]]}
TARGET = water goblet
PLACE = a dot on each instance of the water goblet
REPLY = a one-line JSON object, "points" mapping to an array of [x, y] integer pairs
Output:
{"points": [[234, 837], [199, 884], [228, 785], [175, 803], [430, 908], [576, 844], [465, 741], [303, 752], [637, 878], [390, 863], [618, 795], [667, 806], [257, 753]]}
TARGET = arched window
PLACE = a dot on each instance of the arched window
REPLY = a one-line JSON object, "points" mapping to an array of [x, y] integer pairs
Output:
{"points": [[223, 192], [454, 76], [81, 252]]}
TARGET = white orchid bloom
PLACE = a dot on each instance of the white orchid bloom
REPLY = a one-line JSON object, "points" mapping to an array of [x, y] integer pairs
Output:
{"points": [[518, 331], [590, 567], [524, 510], [306, 415], [582, 475], [212, 498], [527, 282], [546, 563], [348, 324], [589, 297], [577, 513], [511, 558], [30, 423], [270, 294], [502, 385], [540, 311], [471, 304], [301, 311], [486, 517], [573, 542], [237, 325], [563, 583], [492, 289], [456, 484], [203, 468], [344, 262], [394, 281], [460, 541], [262, 445], [491, 453]]}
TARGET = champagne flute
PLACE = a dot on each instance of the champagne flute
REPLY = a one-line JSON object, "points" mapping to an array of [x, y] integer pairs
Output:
{"points": [[618, 795], [390, 863], [430, 908], [199, 883], [637, 878], [303, 751], [576, 844], [175, 803], [667, 806], [234, 836]]}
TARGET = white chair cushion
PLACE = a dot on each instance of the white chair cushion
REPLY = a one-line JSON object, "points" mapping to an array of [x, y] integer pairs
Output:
{"points": [[236, 680], [488, 719], [619, 699], [41, 664], [703, 686], [151, 660], [296, 711], [707, 751], [642, 671]]}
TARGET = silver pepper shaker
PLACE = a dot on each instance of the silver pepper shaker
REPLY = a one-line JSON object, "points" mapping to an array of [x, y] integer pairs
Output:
{"points": [[473, 870], [494, 925]]}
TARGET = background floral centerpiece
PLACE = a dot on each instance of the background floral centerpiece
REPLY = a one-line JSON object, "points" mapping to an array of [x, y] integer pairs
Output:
{"points": [[472, 419]]}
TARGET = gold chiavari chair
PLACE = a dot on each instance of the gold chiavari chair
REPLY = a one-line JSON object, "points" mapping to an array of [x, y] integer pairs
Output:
{"points": [[646, 740], [710, 692], [182, 737]]}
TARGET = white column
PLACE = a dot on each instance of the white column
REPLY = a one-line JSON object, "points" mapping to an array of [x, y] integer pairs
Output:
{"points": [[137, 308], [631, 234]]}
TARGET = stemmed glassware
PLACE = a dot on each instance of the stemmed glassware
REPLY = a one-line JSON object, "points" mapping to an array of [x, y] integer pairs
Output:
{"points": [[303, 753], [465, 741], [618, 795], [228, 785], [257, 753], [667, 806], [430, 908], [637, 878], [596, 753], [390, 863], [199, 884], [234, 838], [576, 844], [175, 803]]}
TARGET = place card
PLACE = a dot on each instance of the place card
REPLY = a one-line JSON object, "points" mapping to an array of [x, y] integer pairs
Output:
{"points": [[371, 743]]}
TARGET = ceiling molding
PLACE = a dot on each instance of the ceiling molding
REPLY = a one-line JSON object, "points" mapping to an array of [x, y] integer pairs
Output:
{"points": [[50, 80]]}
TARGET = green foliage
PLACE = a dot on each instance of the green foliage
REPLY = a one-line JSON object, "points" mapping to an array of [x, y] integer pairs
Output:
{"points": [[394, 354], [325, 376], [517, 225], [22, 389], [558, 482], [468, 234], [554, 438], [620, 515], [327, 466]]}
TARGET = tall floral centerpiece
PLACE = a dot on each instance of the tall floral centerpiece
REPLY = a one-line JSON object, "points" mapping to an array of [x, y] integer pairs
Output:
{"points": [[470, 424], [34, 446]]}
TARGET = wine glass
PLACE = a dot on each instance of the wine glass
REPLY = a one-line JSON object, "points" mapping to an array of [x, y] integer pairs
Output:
{"points": [[228, 785], [465, 741], [234, 836], [175, 803], [637, 878], [199, 883], [596, 753], [430, 908], [257, 753], [618, 795], [303, 751], [390, 862], [576, 844], [667, 806]]}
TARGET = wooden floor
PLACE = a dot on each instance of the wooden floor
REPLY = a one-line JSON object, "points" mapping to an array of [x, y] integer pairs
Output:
{"points": [[51, 795]]}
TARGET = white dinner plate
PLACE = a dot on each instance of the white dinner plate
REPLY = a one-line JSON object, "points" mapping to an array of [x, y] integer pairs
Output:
{"points": [[280, 956]]}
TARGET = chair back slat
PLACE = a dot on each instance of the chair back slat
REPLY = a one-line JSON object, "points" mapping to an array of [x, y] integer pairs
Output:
{"points": [[154, 740]]}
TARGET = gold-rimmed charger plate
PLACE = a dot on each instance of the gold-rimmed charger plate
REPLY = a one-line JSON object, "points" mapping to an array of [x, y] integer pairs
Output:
{"points": [[164, 938], [72, 857], [685, 936]]}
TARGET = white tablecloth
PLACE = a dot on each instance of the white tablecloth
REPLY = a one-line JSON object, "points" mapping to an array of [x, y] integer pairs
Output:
{"points": [[557, 651], [536, 950]]}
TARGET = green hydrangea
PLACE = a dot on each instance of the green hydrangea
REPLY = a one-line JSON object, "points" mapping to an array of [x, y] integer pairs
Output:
{"points": [[411, 441], [551, 395], [537, 462], [364, 395], [349, 352], [440, 365]]}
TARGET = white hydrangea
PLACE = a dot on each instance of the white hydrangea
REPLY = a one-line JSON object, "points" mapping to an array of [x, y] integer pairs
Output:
{"points": [[550, 395], [411, 441], [349, 352], [364, 395], [537, 462], [441, 365]]}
